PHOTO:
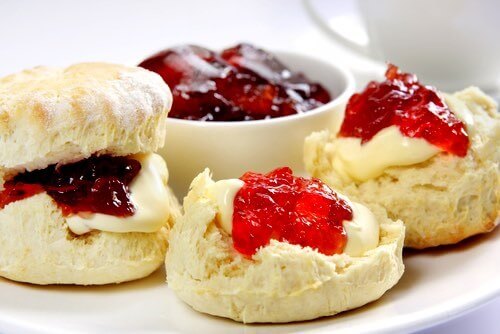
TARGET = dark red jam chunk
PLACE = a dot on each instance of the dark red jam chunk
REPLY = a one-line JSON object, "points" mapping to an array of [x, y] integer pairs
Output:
{"points": [[242, 83], [99, 184], [16, 192], [287, 208], [417, 110]]}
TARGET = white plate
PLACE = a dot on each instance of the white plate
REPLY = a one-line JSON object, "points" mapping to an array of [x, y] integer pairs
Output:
{"points": [[437, 285]]}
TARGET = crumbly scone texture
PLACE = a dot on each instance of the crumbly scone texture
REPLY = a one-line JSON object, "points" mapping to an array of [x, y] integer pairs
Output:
{"points": [[58, 115], [442, 200], [281, 282], [37, 247]]}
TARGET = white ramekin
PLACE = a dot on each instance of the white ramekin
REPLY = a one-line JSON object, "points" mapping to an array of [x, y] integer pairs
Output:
{"points": [[231, 148]]}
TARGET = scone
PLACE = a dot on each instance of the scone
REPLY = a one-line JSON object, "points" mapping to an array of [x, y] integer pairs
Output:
{"points": [[83, 198], [279, 248], [430, 159]]}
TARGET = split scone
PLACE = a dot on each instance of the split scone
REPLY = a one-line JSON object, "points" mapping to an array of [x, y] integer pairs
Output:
{"points": [[430, 159], [83, 200], [280, 248]]}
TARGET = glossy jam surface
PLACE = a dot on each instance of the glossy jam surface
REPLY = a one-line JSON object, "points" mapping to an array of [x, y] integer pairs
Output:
{"points": [[94, 185], [417, 110], [287, 208], [239, 84]]}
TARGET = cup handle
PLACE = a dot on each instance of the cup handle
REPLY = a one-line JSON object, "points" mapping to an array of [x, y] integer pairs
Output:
{"points": [[363, 50]]}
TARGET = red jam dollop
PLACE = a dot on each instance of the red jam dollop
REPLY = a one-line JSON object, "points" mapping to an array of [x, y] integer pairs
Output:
{"points": [[99, 184], [417, 110], [241, 83], [287, 208]]}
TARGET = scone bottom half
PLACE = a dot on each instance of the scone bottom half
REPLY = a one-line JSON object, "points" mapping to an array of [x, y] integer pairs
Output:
{"points": [[281, 281], [83, 200], [441, 196]]}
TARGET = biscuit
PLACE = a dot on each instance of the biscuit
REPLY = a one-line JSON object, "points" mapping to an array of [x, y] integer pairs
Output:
{"points": [[281, 282], [56, 116], [442, 200]]}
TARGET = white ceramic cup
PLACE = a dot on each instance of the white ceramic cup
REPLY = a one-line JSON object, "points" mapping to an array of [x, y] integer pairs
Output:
{"points": [[448, 43], [230, 149]]}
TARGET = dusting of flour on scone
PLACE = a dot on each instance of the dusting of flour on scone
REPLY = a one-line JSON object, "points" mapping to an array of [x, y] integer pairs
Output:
{"points": [[83, 197], [441, 197], [216, 272]]}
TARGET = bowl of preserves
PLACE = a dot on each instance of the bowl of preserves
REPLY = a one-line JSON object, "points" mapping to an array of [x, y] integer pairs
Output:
{"points": [[245, 108]]}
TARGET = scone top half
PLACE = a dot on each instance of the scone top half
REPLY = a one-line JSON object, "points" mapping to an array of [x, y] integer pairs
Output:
{"points": [[59, 115], [209, 266], [77, 170]]}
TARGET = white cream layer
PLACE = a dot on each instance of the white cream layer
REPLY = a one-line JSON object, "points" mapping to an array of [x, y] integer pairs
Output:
{"points": [[224, 192], [389, 147], [148, 193], [362, 231]]}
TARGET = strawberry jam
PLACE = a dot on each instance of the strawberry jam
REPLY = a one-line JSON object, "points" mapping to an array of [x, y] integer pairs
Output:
{"points": [[239, 84], [417, 110], [99, 184], [287, 208]]}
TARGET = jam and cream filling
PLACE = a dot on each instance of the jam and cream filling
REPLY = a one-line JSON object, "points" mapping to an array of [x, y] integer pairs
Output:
{"points": [[114, 194], [361, 230], [148, 194]]}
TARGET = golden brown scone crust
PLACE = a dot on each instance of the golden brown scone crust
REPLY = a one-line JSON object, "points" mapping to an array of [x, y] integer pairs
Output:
{"points": [[442, 200], [53, 115]]}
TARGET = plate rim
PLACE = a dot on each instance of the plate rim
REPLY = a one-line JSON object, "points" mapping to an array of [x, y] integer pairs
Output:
{"points": [[413, 321]]}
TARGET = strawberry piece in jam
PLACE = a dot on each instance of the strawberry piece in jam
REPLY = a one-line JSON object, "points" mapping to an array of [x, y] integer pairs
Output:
{"points": [[97, 185], [287, 208], [242, 83], [417, 110]]}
